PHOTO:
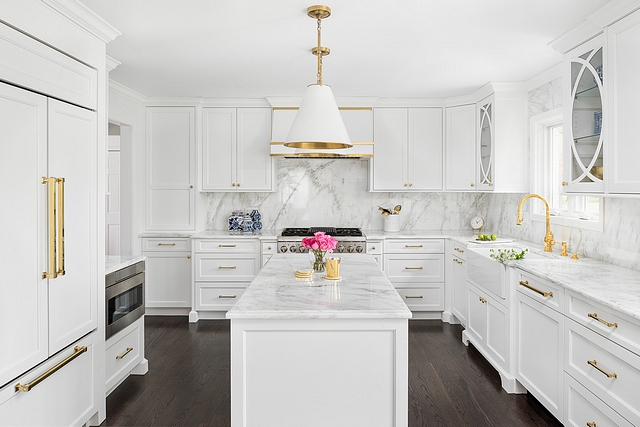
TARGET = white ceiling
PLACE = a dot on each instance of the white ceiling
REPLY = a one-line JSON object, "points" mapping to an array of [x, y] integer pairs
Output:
{"points": [[402, 48]]}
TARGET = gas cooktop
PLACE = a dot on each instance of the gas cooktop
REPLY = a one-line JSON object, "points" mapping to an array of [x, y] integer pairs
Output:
{"points": [[332, 231]]}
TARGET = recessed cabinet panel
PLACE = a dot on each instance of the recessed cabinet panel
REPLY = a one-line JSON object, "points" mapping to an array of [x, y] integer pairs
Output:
{"points": [[170, 201], [254, 166], [168, 279], [623, 91], [219, 151], [460, 148], [390, 149], [424, 150]]}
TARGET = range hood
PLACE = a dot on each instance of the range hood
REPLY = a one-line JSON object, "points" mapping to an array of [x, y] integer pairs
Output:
{"points": [[360, 150]]}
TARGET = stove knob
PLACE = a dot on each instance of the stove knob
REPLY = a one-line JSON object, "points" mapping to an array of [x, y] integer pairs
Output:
{"points": [[293, 249], [359, 249], [350, 248], [303, 250], [340, 248], [283, 248]]}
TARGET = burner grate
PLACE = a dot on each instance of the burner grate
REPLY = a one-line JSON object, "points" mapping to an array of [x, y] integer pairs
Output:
{"points": [[332, 231]]}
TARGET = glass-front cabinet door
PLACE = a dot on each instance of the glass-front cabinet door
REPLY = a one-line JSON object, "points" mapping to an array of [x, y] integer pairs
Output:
{"points": [[583, 148], [485, 148]]}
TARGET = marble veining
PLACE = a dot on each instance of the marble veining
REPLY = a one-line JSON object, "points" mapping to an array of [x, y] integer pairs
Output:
{"points": [[118, 262], [610, 285], [363, 292], [262, 234]]}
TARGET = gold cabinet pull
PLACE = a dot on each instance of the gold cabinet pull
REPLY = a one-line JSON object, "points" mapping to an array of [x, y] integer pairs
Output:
{"points": [[53, 271], [60, 236], [413, 296], [472, 184], [77, 351], [227, 246], [191, 186], [534, 289], [591, 424], [458, 250], [373, 248], [188, 256], [482, 300], [121, 356], [226, 296], [594, 363], [227, 266], [412, 246], [233, 184], [268, 248], [565, 183], [609, 324], [413, 268], [166, 244]]}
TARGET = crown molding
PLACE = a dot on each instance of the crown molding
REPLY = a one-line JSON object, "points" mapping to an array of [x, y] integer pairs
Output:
{"points": [[125, 92], [234, 102], [85, 18], [112, 63], [410, 102], [575, 37], [342, 101], [544, 77], [613, 11]]}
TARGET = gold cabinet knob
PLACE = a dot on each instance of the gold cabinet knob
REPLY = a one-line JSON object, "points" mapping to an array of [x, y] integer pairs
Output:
{"points": [[410, 185], [233, 184], [490, 185], [268, 248], [472, 184], [188, 256], [238, 184], [373, 248], [191, 186], [405, 184], [565, 183]]}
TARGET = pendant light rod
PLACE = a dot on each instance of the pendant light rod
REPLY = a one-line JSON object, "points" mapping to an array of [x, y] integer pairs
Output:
{"points": [[319, 12]]}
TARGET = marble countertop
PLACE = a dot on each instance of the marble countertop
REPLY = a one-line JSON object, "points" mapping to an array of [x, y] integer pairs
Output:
{"points": [[363, 292], [610, 285], [458, 236], [166, 235], [117, 262]]}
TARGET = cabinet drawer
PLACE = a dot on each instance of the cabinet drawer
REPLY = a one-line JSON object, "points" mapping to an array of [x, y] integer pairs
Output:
{"points": [[414, 246], [269, 248], [583, 408], [228, 245], [217, 298], [157, 244], [226, 268], [554, 293], [423, 298], [616, 374], [626, 333], [424, 268], [64, 398], [459, 251], [374, 247], [124, 351]]}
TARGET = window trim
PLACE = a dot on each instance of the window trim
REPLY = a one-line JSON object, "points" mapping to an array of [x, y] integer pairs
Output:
{"points": [[538, 126]]}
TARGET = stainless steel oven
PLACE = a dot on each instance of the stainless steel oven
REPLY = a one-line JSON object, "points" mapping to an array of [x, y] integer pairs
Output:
{"points": [[124, 297]]}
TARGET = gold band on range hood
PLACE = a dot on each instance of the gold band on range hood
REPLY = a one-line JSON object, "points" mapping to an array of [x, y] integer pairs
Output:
{"points": [[318, 124]]}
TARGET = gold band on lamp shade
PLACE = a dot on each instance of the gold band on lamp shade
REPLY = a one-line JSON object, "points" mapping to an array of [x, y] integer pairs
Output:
{"points": [[318, 123]]}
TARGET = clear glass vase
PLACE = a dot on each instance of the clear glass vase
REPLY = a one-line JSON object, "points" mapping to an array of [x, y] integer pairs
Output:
{"points": [[316, 258]]}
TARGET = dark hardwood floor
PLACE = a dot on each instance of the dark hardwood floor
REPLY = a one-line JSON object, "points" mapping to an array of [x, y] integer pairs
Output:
{"points": [[188, 380]]}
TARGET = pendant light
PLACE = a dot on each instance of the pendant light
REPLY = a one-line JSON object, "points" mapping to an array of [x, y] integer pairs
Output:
{"points": [[318, 124]]}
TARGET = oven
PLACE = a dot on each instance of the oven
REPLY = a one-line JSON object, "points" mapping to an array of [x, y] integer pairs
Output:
{"points": [[350, 240], [124, 297]]}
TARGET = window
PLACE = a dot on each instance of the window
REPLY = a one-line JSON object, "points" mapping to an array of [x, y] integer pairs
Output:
{"points": [[547, 176]]}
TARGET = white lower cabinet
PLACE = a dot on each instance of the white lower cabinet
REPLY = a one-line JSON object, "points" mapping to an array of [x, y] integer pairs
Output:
{"points": [[583, 408], [269, 248], [222, 270], [488, 328], [124, 355], [540, 352], [66, 397], [416, 269], [168, 275]]}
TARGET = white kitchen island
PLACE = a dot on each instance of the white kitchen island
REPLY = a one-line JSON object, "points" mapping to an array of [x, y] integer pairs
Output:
{"points": [[329, 353]]}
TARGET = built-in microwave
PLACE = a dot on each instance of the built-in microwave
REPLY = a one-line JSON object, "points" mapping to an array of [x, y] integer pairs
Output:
{"points": [[124, 297]]}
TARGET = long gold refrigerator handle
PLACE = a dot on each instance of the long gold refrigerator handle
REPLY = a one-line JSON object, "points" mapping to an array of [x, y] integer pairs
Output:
{"points": [[60, 236], [77, 351], [52, 273]]}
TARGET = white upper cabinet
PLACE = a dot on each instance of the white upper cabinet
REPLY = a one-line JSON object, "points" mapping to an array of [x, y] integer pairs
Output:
{"points": [[460, 148], [502, 155], [236, 150], [170, 202], [407, 149], [583, 118], [622, 85]]}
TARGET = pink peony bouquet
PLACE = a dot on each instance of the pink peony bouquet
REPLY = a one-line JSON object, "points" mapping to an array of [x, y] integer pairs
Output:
{"points": [[319, 244]]}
